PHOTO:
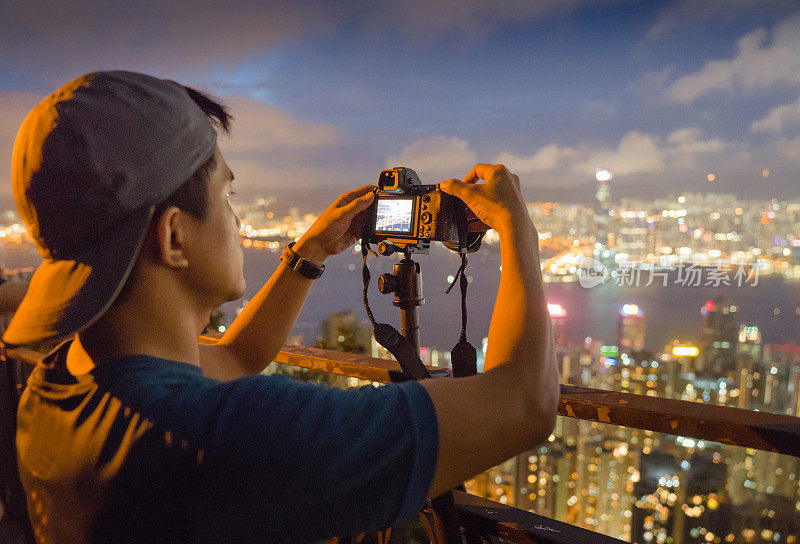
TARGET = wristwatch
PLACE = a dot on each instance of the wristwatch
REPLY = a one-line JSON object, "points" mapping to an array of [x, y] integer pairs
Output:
{"points": [[302, 266]]}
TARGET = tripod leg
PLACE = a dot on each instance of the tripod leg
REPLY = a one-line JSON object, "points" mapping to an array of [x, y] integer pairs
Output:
{"points": [[446, 518]]}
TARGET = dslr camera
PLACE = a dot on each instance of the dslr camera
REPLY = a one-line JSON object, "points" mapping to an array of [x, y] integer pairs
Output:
{"points": [[407, 216]]}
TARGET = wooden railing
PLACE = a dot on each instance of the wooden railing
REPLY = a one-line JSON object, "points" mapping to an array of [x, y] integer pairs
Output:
{"points": [[733, 426]]}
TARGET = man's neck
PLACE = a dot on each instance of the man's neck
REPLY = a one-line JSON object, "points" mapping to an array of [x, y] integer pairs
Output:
{"points": [[168, 329]]}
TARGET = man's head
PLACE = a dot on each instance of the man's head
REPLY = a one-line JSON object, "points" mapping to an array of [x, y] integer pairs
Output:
{"points": [[108, 164]]}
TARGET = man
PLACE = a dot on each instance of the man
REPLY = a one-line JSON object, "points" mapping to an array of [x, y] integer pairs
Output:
{"points": [[133, 432]]}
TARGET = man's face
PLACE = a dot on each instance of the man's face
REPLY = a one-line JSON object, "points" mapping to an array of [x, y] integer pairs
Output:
{"points": [[218, 258]]}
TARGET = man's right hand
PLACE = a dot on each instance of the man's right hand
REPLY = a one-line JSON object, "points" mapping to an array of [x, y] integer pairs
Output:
{"points": [[497, 202]]}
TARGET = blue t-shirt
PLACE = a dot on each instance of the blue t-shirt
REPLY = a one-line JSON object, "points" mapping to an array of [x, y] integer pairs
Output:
{"points": [[147, 449]]}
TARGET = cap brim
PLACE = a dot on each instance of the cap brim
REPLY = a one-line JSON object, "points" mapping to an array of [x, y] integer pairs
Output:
{"points": [[66, 296]]}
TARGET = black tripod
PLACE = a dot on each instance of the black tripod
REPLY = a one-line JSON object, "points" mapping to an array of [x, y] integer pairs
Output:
{"points": [[440, 516]]}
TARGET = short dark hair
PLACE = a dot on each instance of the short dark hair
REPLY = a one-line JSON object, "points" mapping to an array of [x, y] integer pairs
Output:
{"points": [[192, 196]]}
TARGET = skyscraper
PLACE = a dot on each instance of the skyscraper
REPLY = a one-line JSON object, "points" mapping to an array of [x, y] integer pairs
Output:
{"points": [[630, 328], [719, 338], [601, 195], [558, 318]]}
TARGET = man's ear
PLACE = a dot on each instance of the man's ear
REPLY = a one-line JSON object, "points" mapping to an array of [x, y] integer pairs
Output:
{"points": [[171, 238]]}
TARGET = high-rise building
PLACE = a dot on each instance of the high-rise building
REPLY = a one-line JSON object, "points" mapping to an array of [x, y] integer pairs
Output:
{"points": [[602, 195], [558, 321], [748, 358], [630, 328], [781, 370], [719, 338]]}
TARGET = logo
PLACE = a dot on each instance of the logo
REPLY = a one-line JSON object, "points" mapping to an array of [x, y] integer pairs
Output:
{"points": [[592, 273]]}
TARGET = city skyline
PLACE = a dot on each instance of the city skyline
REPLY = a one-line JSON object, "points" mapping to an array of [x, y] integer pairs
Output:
{"points": [[694, 247]]}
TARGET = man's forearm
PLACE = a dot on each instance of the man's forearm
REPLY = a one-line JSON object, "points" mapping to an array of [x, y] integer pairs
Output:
{"points": [[520, 333], [256, 336], [260, 331], [518, 312]]}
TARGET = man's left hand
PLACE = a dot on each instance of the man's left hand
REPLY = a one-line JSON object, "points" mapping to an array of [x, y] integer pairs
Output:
{"points": [[338, 227]]}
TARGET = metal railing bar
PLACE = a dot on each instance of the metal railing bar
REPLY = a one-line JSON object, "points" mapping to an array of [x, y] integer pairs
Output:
{"points": [[489, 517]]}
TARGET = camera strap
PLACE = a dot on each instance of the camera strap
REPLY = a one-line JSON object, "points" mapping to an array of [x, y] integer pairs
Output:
{"points": [[463, 356]]}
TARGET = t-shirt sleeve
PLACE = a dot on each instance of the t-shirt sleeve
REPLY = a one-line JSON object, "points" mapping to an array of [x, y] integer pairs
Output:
{"points": [[297, 461]]}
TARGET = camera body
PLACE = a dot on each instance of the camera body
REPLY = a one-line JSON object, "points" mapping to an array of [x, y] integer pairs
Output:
{"points": [[409, 215]]}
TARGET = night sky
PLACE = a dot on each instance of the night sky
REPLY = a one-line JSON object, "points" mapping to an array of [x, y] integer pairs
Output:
{"points": [[325, 96]]}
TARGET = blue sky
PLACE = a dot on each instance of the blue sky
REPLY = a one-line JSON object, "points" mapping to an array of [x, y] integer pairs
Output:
{"points": [[327, 94]]}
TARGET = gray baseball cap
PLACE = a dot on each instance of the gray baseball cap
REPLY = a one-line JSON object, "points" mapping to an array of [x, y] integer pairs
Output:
{"points": [[90, 164]]}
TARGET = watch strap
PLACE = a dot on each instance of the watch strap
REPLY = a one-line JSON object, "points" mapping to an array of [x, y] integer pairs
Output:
{"points": [[302, 266]]}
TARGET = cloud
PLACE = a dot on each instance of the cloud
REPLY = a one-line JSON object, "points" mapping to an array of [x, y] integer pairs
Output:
{"points": [[640, 153], [261, 128], [54, 41], [304, 163], [677, 15], [636, 153], [427, 19], [778, 117], [66, 39], [644, 163], [268, 149], [436, 157], [439, 157], [760, 63], [547, 158], [681, 147], [688, 141], [287, 179]]}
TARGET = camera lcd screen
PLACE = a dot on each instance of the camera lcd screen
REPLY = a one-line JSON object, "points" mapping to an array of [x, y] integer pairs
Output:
{"points": [[394, 215]]}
